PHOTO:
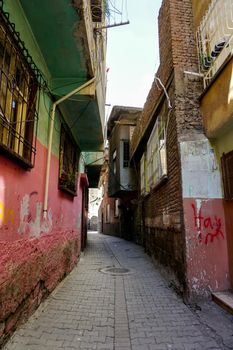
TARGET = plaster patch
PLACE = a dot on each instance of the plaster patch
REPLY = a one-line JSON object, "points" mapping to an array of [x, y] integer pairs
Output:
{"points": [[39, 225], [47, 224], [78, 222], [200, 172], [24, 208], [198, 207], [195, 284]]}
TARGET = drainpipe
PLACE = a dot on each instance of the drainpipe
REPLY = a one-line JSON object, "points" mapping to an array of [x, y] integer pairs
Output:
{"points": [[55, 104]]}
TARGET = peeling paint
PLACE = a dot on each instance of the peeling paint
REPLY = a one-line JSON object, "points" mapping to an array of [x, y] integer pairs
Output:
{"points": [[198, 206], [37, 226]]}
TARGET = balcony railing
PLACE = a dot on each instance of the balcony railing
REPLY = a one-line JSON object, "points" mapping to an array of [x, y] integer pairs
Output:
{"points": [[215, 38]]}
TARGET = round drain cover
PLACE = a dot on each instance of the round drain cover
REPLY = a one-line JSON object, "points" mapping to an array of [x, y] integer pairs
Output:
{"points": [[116, 271]]}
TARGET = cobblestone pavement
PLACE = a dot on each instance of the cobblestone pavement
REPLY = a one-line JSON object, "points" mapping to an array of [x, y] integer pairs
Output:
{"points": [[95, 310]]}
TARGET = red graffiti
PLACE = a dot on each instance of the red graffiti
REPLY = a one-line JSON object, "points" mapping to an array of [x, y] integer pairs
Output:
{"points": [[208, 228]]}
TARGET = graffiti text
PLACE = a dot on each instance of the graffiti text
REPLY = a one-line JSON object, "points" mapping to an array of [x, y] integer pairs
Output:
{"points": [[209, 228]]}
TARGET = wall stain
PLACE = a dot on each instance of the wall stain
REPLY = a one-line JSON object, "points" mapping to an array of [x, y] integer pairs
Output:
{"points": [[7, 215]]}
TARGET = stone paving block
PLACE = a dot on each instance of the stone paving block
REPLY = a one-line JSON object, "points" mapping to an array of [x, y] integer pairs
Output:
{"points": [[140, 347], [158, 347], [54, 343], [70, 344], [92, 310], [107, 346]]}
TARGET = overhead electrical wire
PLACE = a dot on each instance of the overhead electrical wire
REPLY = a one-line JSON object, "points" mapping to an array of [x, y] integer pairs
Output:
{"points": [[117, 11]]}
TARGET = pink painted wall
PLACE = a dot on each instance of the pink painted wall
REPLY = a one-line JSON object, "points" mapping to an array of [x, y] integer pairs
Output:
{"points": [[206, 246], [35, 254], [21, 200]]}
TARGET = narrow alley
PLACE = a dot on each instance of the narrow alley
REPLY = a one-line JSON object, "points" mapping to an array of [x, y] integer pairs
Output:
{"points": [[117, 299]]}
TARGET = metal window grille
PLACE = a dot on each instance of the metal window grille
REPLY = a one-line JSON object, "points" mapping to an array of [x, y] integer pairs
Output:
{"points": [[97, 10], [114, 161], [157, 151], [227, 174], [125, 154], [144, 174], [69, 157], [18, 99], [215, 38]]}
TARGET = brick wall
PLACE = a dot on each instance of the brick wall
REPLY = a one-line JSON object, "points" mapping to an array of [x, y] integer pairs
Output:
{"points": [[164, 73], [162, 210], [187, 86]]}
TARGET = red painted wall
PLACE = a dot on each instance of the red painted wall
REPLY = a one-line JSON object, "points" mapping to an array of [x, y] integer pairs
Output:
{"points": [[206, 246], [228, 207], [35, 253]]}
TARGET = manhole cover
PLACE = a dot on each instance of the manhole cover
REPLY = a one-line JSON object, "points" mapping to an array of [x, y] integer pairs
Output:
{"points": [[116, 271]]}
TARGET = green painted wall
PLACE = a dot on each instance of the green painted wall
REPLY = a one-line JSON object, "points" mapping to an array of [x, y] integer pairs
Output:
{"points": [[45, 106], [17, 17], [61, 57], [55, 24]]}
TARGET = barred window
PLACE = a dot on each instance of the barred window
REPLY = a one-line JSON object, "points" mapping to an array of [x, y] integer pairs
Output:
{"points": [[125, 154], [69, 157], [114, 160], [144, 174], [18, 99], [156, 152], [215, 38]]}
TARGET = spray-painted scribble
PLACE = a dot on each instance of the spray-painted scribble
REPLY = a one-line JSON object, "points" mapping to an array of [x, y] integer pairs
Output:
{"points": [[209, 228]]}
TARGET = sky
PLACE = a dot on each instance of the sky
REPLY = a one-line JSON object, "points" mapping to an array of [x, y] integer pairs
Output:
{"points": [[132, 53]]}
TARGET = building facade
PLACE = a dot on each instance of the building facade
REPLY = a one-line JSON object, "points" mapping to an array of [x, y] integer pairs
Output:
{"points": [[119, 177], [180, 211], [108, 213], [93, 207], [213, 27], [52, 93]]}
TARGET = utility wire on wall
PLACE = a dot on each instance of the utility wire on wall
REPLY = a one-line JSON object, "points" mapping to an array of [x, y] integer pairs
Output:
{"points": [[116, 12], [158, 80]]}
